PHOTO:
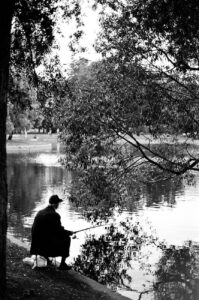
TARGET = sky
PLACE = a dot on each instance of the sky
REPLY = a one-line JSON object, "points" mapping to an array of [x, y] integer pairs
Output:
{"points": [[91, 28], [62, 39]]}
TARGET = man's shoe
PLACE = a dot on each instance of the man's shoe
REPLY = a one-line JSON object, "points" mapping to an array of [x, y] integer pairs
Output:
{"points": [[64, 267]]}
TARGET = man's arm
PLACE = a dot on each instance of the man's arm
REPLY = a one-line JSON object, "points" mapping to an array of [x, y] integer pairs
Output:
{"points": [[59, 228]]}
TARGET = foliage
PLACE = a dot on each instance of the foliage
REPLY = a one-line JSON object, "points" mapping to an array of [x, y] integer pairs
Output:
{"points": [[104, 109], [132, 117], [22, 104], [31, 39], [142, 33], [35, 26], [107, 259], [118, 104], [51, 93], [152, 34], [32, 33], [177, 272], [153, 29], [22, 47], [111, 258]]}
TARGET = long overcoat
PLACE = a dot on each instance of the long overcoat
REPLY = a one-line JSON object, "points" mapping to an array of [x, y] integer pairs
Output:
{"points": [[49, 238]]}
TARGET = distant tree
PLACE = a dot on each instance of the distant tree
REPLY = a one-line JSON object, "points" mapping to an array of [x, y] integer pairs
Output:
{"points": [[51, 92], [36, 118], [9, 127], [21, 102]]}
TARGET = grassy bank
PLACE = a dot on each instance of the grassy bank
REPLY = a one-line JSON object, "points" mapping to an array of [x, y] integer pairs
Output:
{"points": [[47, 283], [32, 139], [41, 283], [33, 142]]}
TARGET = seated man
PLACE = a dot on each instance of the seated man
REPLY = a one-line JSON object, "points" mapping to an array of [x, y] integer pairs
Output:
{"points": [[49, 238]]}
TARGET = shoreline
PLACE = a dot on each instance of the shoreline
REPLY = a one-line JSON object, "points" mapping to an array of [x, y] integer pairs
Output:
{"points": [[28, 148], [48, 283]]}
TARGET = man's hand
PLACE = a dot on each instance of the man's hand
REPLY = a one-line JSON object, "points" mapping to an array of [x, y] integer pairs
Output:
{"points": [[68, 232]]}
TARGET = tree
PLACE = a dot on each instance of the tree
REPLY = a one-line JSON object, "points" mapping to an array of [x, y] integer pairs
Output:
{"points": [[126, 94], [9, 124], [152, 35], [152, 77], [109, 258], [6, 13], [176, 269], [51, 90], [21, 102], [23, 46]]}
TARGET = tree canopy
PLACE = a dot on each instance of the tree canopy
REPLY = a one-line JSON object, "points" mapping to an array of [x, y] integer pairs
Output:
{"points": [[134, 114]]}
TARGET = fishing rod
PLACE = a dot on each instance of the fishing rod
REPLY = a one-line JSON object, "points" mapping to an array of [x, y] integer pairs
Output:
{"points": [[135, 230], [74, 232]]}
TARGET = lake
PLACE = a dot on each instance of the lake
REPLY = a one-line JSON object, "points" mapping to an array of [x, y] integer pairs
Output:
{"points": [[164, 262]]}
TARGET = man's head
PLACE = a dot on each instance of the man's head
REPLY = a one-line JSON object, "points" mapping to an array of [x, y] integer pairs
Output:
{"points": [[54, 200]]}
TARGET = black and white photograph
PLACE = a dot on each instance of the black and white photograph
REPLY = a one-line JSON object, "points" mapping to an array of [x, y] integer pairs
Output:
{"points": [[99, 150]]}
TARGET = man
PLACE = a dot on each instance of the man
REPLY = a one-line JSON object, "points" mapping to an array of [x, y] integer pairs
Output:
{"points": [[49, 238]]}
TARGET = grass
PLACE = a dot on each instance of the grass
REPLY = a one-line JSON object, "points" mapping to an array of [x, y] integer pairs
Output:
{"points": [[20, 139], [45, 283]]}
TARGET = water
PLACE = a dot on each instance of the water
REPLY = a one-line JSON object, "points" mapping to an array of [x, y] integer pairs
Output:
{"points": [[32, 179], [166, 211]]}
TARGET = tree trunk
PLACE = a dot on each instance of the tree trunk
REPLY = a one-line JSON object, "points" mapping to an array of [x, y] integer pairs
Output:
{"points": [[6, 12], [25, 133], [10, 136]]}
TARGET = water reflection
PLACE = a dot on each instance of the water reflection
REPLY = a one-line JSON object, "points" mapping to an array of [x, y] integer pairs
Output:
{"points": [[104, 197], [29, 186], [163, 192], [136, 264], [111, 260], [107, 259], [178, 273]]}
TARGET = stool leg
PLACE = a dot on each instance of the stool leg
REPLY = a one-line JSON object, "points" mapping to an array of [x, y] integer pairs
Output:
{"points": [[35, 263]]}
